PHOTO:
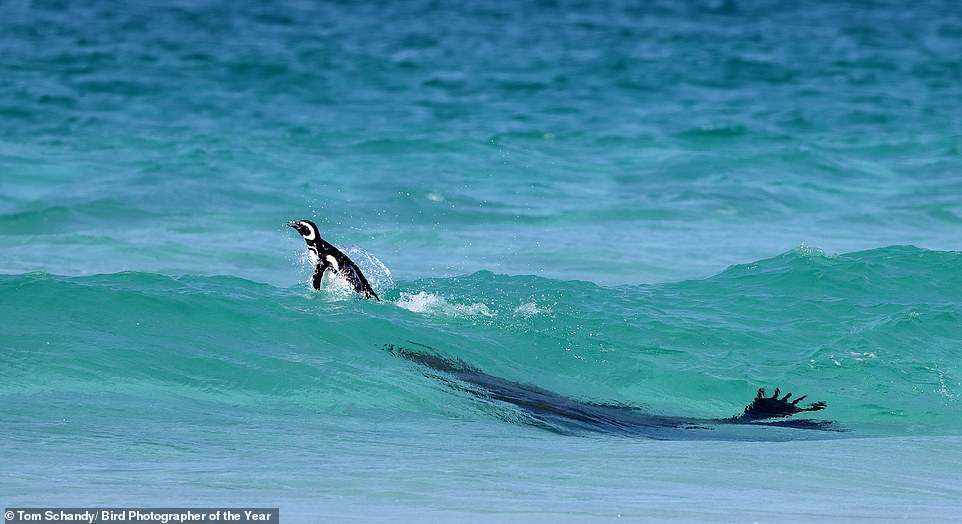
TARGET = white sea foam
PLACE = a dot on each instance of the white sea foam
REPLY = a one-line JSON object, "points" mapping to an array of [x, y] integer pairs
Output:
{"points": [[529, 309], [429, 303], [807, 251]]}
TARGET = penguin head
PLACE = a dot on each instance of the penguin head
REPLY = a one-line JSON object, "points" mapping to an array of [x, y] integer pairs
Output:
{"points": [[306, 228]]}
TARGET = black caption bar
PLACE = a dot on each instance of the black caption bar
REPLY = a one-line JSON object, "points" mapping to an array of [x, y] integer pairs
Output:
{"points": [[142, 515]]}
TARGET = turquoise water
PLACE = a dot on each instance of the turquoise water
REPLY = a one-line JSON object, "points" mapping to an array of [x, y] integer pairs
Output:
{"points": [[666, 206]]}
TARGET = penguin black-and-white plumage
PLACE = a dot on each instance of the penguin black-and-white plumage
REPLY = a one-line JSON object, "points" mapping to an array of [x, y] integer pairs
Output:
{"points": [[325, 256]]}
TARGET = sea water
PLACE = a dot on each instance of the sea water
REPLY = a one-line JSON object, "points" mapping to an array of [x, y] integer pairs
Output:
{"points": [[664, 205]]}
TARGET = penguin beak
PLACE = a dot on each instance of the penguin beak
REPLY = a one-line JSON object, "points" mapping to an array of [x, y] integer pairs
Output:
{"points": [[291, 223]]}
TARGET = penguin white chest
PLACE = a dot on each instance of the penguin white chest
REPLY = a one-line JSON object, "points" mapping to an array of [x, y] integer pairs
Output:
{"points": [[333, 261]]}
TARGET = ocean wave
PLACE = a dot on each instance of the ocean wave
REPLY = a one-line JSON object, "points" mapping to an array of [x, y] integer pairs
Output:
{"points": [[869, 332]]}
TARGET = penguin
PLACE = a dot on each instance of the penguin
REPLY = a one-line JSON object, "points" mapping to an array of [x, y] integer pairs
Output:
{"points": [[325, 256]]}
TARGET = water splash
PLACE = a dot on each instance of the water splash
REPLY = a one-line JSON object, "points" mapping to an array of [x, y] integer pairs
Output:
{"points": [[429, 303], [529, 309], [377, 272]]}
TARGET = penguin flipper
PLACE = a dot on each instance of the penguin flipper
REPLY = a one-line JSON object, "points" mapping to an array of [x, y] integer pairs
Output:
{"points": [[319, 270]]}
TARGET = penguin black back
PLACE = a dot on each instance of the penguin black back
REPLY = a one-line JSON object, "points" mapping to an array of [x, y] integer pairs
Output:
{"points": [[325, 256]]}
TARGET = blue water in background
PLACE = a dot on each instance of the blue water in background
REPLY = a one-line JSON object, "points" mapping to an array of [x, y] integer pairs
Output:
{"points": [[666, 205]]}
